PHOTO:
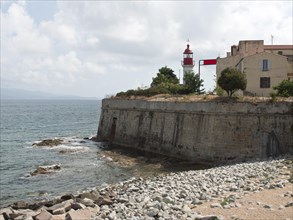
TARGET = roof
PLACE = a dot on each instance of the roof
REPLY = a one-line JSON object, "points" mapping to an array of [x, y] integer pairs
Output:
{"points": [[187, 50], [278, 47]]}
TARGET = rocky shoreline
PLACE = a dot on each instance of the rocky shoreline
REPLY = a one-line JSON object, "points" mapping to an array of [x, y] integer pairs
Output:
{"points": [[171, 196]]}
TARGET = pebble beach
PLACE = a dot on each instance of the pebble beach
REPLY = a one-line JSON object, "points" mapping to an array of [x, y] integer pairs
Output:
{"points": [[250, 190]]}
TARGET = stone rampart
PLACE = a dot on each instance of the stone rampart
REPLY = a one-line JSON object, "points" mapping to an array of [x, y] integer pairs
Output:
{"points": [[201, 130]]}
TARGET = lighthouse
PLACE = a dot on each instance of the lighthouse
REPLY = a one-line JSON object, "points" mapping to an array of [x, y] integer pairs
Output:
{"points": [[188, 62]]}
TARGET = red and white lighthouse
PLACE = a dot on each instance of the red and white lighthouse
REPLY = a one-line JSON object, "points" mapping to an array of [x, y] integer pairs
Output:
{"points": [[188, 62]]}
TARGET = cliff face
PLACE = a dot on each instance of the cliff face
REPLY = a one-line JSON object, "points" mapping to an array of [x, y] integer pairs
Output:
{"points": [[199, 131]]}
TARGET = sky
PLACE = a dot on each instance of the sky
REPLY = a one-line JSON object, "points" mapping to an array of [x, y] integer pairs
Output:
{"points": [[99, 48]]}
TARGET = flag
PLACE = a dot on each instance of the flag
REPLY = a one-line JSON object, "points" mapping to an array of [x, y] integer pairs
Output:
{"points": [[209, 62]]}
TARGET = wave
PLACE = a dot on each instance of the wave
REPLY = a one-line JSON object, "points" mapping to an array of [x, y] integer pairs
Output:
{"points": [[70, 144]]}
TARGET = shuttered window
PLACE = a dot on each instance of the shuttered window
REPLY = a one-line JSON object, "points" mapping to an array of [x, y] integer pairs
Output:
{"points": [[265, 65], [265, 82]]}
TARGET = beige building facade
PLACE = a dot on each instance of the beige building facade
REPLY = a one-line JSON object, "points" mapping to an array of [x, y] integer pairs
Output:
{"points": [[265, 66]]}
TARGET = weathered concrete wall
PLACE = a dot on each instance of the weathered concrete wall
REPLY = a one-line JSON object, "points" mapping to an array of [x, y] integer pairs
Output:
{"points": [[199, 131]]}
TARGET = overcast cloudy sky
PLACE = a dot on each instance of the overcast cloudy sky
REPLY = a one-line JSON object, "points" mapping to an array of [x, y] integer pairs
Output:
{"points": [[99, 48]]}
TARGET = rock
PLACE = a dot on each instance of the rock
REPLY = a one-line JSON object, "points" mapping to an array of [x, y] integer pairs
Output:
{"points": [[60, 208], [186, 209], [67, 197], [35, 205], [168, 200], [216, 205], [48, 143], [112, 215], [67, 151], [238, 205], [59, 211], [5, 210], [289, 204], [44, 215], [289, 194], [103, 201], [267, 206], [169, 196], [79, 214], [30, 213], [77, 206], [95, 138], [176, 207], [209, 217], [133, 189], [203, 196], [21, 217], [87, 202], [154, 204], [146, 199], [152, 212], [196, 202], [226, 206], [122, 200], [234, 188], [46, 169], [19, 205], [59, 217], [16, 216], [90, 195]]}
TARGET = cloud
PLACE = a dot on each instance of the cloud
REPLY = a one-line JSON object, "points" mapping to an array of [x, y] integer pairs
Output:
{"points": [[93, 48], [40, 55], [59, 32]]}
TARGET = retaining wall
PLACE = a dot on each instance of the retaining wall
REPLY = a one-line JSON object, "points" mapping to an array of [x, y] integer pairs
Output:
{"points": [[199, 131]]}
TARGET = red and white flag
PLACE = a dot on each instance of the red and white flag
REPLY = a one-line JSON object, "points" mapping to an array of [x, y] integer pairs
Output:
{"points": [[208, 62]]}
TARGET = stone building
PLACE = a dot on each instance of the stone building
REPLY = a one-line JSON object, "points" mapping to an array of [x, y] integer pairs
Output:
{"points": [[265, 66]]}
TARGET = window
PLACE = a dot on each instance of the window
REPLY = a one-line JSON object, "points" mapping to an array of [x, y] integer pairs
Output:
{"points": [[265, 82], [290, 58], [280, 52], [265, 65]]}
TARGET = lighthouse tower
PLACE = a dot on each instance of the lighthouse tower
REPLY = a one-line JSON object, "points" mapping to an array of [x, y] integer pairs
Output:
{"points": [[188, 62]]}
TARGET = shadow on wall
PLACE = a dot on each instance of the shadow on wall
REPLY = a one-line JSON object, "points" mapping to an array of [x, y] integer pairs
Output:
{"points": [[273, 145]]}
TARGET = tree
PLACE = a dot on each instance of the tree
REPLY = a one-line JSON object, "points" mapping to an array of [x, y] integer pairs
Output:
{"points": [[285, 88], [165, 75], [193, 82], [231, 80]]}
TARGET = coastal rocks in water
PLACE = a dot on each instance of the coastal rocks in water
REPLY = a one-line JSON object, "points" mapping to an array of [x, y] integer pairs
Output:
{"points": [[46, 169], [67, 197], [87, 213], [48, 143], [94, 138], [68, 151], [43, 215], [172, 196], [60, 208], [20, 205]]}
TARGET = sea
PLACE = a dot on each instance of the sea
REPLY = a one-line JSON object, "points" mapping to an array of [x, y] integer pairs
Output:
{"points": [[25, 122]]}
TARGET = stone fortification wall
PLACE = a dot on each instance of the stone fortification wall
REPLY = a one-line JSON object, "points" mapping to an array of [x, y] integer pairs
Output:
{"points": [[201, 130]]}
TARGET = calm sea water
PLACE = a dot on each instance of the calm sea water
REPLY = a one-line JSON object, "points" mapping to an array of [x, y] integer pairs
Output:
{"points": [[26, 122]]}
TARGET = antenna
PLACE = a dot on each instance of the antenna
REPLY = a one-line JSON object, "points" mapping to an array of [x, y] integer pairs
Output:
{"points": [[272, 39]]}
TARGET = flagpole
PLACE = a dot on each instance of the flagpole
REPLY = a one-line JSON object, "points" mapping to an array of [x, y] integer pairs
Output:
{"points": [[199, 68], [199, 72]]}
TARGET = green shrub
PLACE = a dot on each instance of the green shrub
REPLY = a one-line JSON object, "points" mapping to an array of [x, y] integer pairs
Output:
{"points": [[273, 96], [285, 88], [219, 91]]}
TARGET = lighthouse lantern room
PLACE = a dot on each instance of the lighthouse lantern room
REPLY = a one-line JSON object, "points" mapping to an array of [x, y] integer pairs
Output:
{"points": [[188, 62]]}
